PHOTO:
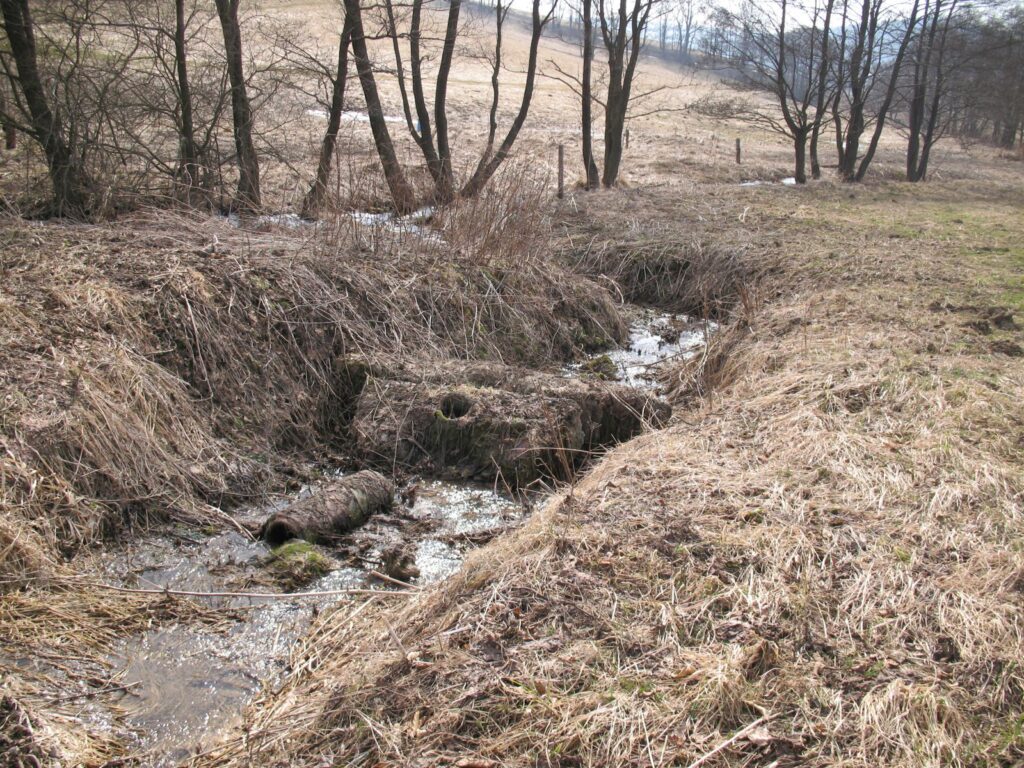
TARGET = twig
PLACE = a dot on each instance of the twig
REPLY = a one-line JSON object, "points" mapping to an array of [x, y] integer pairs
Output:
{"points": [[90, 694], [260, 595], [738, 735], [385, 577]]}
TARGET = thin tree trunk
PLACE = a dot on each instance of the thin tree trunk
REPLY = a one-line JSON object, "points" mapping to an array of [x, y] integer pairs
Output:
{"points": [[589, 164], [614, 123], [819, 106], [189, 160], [9, 130], [883, 110], [425, 137], [629, 26], [485, 171], [492, 115], [859, 73], [800, 147], [66, 174], [446, 182], [248, 196], [401, 192], [915, 108], [314, 200], [840, 84]]}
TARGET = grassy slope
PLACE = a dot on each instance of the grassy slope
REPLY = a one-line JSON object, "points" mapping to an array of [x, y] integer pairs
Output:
{"points": [[829, 549]]}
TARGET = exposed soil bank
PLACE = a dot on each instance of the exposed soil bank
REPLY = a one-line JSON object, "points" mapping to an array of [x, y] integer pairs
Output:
{"points": [[821, 565], [493, 423]]}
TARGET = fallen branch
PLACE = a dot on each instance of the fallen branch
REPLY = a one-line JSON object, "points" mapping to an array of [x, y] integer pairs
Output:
{"points": [[260, 595]]}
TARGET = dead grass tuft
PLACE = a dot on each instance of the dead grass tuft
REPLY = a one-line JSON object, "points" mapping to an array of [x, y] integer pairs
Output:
{"points": [[663, 263]]}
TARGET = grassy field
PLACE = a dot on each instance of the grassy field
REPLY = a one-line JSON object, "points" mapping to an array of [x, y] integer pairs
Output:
{"points": [[820, 561]]}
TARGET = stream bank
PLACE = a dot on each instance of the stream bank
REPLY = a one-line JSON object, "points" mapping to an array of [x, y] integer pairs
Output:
{"points": [[186, 686]]}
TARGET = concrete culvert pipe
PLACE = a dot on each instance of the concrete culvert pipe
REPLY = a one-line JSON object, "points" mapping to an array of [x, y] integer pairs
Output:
{"points": [[340, 507]]}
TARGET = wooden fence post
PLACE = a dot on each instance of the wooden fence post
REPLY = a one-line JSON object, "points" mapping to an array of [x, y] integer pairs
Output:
{"points": [[561, 170], [737, 151]]}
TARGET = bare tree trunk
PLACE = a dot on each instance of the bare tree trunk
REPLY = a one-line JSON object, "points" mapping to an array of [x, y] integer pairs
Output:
{"points": [[486, 170], [1008, 134], [314, 200], [890, 92], [10, 131], [614, 123], [492, 116], [819, 106], [849, 145], [840, 85], [446, 182], [66, 174], [402, 194], [589, 164], [424, 136], [189, 159], [815, 161], [800, 147], [622, 36], [248, 197]]}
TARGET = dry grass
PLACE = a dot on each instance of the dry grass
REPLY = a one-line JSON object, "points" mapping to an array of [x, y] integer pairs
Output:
{"points": [[176, 366], [819, 563], [828, 549]]}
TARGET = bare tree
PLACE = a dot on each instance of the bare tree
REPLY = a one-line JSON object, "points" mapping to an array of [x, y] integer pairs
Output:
{"points": [[187, 131], [587, 97], [823, 96], [402, 193], [790, 61], [248, 197], [929, 109], [878, 44], [10, 130], [686, 12], [429, 125], [622, 31], [490, 160], [45, 125], [313, 201]]}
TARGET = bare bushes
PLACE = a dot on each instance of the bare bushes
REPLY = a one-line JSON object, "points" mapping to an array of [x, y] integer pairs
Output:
{"points": [[671, 263], [686, 275]]}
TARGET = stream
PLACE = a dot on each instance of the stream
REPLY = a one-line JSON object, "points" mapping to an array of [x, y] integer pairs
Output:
{"points": [[186, 686]]}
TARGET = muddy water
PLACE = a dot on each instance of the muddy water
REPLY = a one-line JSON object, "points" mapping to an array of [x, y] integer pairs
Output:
{"points": [[187, 686]]}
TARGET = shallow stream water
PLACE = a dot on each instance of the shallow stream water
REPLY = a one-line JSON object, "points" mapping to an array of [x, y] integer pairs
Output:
{"points": [[654, 338], [186, 685]]}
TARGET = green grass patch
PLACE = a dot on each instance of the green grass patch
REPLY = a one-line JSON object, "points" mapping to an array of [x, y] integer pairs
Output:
{"points": [[296, 563]]}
